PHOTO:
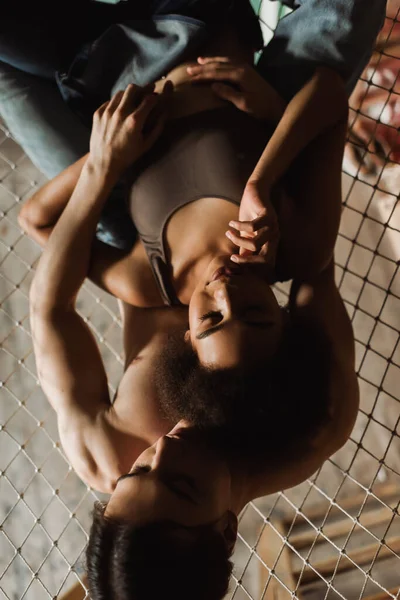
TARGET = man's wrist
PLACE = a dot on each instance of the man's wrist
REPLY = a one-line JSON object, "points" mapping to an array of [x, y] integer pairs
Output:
{"points": [[104, 173]]}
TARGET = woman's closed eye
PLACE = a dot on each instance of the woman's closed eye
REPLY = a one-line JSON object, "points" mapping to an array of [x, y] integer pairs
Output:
{"points": [[214, 315], [251, 314]]}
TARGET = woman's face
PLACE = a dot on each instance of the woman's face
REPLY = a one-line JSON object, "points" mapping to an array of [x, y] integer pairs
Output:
{"points": [[178, 479], [234, 317]]}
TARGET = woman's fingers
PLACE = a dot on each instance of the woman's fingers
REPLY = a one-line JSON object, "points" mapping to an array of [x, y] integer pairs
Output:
{"points": [[252, 242], [227, 92], [215, 71], [204, 60], [249, 259], [252, 226], [242, 242], [245, 226]]}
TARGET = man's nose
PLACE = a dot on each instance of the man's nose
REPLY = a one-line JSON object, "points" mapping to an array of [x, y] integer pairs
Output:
{"points": [[157, 452], [162, 451]]}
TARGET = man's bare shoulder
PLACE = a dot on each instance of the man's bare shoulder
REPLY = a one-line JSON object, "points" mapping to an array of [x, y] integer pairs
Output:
{"points": [[133, 421], [104, 447], [92, 447]]}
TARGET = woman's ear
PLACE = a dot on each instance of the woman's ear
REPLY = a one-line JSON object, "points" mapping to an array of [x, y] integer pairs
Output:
{"points": [[187, 336]]}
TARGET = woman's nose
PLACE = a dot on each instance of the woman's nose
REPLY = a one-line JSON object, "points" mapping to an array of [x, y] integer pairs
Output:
{"points": [[222, 293], [228, 299]]}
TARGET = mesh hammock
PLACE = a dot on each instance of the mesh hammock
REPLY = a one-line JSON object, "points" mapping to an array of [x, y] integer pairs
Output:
{"points": [[335, 536]]}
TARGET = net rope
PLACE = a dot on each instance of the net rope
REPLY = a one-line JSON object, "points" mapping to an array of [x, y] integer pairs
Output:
{"points": [[45, 508]]}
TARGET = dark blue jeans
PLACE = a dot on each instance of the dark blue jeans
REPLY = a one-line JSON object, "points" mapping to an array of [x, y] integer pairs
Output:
{"points": [[46, 41], [337, 33], [34, 47]]}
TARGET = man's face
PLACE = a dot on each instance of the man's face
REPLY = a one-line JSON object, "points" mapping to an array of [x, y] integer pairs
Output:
{"points": [[179, 479]]}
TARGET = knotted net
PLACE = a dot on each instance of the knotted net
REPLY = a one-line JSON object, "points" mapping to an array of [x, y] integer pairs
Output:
{"points": [[335, 536]]}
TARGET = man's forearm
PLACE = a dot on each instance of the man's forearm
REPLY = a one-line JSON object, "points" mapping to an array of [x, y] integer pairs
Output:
{"points": [[66, 258], [320, 104]]}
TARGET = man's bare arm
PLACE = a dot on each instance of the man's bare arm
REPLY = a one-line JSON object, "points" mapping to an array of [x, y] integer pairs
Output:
{"points": [[66, 257], [112, 269], [68, 360], [42, 210]]}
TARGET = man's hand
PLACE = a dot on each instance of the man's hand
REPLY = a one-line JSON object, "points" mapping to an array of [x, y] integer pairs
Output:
{"points": [[126, 127], [240, 84], [257, 230]]}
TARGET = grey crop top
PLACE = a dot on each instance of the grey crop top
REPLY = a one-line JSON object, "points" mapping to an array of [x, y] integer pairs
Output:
{"points": [[207, 154]]}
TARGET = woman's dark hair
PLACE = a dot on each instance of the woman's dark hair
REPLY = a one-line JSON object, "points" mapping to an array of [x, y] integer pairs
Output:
{"points": [[260, 415], [149, 562]]}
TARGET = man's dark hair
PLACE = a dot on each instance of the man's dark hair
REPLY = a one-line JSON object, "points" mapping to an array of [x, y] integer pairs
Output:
{"points": [[261, 415], [149, 562]]}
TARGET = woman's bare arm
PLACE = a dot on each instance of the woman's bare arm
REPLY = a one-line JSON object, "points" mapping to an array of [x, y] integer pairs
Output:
{"points": [[311, 157], [313, 187], [318, 106], [310, 133]]}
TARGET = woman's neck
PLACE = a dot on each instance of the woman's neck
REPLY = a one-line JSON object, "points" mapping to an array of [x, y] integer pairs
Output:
{"points": [[195, 236]]}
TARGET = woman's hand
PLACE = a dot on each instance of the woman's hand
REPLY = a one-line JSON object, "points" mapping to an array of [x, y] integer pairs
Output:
{"points": [[256, 232], [126, 127], [240, 84]]}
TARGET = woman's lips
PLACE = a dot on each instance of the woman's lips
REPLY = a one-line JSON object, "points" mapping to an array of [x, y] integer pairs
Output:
{"points": [[225, 272]]}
